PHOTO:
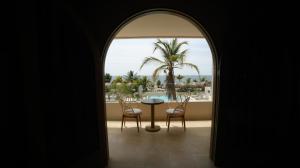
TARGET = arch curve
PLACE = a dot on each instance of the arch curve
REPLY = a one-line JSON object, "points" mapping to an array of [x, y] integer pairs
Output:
{"points": [[205, 34]]}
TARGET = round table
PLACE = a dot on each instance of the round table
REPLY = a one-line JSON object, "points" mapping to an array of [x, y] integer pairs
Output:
{"points": [[152, 102]]}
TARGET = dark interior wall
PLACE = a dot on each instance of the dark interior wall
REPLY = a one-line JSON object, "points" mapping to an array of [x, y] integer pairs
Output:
{"points": [[60, 88], [259, 85], [62, 46]]}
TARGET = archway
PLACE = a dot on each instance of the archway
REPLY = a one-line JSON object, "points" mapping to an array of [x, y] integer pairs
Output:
{"points": [[215, 78]]}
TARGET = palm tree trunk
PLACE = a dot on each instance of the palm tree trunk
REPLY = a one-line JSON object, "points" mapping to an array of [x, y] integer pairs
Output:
{"points": [[171, 85]]}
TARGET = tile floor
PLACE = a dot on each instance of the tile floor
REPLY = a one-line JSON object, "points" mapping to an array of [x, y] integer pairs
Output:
{"points": [[173, 149]]}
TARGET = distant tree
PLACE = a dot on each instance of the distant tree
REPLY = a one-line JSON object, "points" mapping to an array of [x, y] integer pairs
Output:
{"points": [[107, 78], [108, 92], [118, 79], [179, 77], [144, 81], [150, 85], [131, 76], [188, 80], [158, 83], [195, 80], [203, 79]]}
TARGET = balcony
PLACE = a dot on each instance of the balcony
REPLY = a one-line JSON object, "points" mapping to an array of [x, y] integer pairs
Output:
{"points": [[198, 110], [176, 148]]}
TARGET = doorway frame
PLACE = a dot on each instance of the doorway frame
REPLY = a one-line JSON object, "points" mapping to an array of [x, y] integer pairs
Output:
{"points": [[216, 69]]}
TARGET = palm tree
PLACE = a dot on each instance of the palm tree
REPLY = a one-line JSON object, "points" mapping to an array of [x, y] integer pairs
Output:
{"points": [[144, 82], [130, 77], [172, 57]]}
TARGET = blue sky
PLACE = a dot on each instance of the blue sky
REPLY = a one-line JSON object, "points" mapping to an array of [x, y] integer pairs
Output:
{"points": [[128, 54]]}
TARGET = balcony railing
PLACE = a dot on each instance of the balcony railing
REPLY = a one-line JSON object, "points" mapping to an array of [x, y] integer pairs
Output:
{"points": [[195, 111]]}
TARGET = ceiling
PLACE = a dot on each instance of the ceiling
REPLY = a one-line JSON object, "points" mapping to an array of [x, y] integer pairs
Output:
{"points": [[159, 25]]}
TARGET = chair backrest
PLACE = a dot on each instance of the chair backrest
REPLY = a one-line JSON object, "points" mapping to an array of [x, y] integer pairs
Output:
{"points": [[186, 102], [124, 106], [183, 104]]}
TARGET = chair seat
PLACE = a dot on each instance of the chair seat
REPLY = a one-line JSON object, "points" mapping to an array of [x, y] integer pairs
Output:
{"points": [[177, 112], [133, 111], [173, 111], [129, 112]]}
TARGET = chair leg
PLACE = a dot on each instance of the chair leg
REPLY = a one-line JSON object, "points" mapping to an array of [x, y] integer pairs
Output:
{"points": [[122, 123], [169, 123], [137, 123], [167, 120], [140, 121], [184, 122]]}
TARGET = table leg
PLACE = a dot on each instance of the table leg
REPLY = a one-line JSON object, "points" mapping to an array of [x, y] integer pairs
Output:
{"points": [[152, 116], [153, 127]]}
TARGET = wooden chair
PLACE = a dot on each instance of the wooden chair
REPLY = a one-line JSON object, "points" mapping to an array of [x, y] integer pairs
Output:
{"points": [[129, 112], [177, 112]]}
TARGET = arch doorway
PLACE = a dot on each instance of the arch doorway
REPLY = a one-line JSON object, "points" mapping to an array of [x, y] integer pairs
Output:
{"points": [[162, 24]]}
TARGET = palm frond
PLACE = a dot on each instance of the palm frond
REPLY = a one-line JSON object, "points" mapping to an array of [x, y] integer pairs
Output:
{"points": [[182, 55], [184, 52], [166, 46], [151, 59], [193, 66], [176, 50], [163, 50], [173, 46], [166, 55], [177, 66], [158, 70]]}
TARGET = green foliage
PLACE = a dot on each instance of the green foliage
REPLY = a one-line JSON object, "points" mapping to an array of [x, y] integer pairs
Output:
{"points": [[186, 88], [126, 89], [129, 86], [107, 78], [179, 77], [107, 88], [118, 79], [188, 80], [144, 82], [158, 83], [131, 77]]}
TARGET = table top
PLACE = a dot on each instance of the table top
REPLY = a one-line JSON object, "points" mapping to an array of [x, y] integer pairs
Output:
{"points": [[152, 101]]}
